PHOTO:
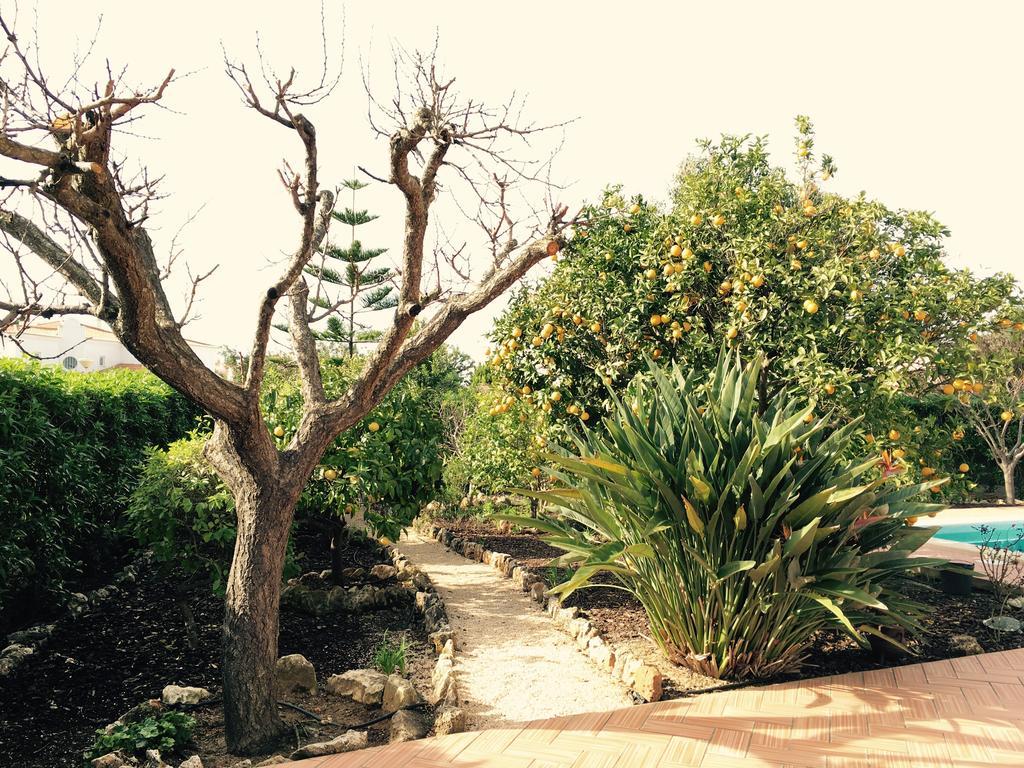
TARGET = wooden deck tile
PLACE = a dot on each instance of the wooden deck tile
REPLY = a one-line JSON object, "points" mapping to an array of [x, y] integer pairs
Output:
{"points": [[956, 713]]}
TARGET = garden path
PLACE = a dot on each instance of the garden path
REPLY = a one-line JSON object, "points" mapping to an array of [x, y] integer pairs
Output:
{"points": [[513, 665]]}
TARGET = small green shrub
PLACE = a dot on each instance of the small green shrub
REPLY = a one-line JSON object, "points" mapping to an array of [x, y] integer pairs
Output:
{"points": [[390, 657], [168, 732], [183, 512], [736, 523]]}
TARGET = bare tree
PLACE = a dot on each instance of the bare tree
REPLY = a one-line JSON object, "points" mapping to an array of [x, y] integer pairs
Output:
{"points": [[82, 220]]}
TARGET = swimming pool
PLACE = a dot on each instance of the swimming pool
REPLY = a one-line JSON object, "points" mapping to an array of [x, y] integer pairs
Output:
{"points": [[1003, 533]]}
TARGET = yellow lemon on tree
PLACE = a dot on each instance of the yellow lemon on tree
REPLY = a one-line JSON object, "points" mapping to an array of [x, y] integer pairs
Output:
{"points": [[894, 434], [330, 474], [556, 395], [810, 306], [757, 281], [634, 209], [1006, 415], [732, 333], [374, 426], [278, 431]]}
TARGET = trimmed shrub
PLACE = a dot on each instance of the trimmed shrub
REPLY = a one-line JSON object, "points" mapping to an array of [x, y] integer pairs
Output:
{"points": [[736, 523], [70, 448]]}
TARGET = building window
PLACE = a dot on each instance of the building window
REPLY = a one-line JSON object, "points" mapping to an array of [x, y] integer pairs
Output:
{"points": [[103, 360], [70, 363]]}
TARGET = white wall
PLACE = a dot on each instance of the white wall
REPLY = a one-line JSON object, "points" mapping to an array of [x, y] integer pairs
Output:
{"points": [[71, 345]]}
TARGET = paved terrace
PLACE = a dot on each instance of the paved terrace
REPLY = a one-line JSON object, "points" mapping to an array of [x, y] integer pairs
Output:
{"points": [[959, 712]]}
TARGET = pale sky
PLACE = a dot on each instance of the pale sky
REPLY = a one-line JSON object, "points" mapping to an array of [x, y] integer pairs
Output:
{"points": [[919, 103]]}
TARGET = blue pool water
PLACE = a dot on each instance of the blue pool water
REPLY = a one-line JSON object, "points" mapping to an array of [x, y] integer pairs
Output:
{"points": [[1002, 533]]}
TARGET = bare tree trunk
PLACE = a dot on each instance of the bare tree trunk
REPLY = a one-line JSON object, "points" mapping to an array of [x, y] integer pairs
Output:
{"points": [[265, 492], [252, 723], [1009, 489], [337, 537]]}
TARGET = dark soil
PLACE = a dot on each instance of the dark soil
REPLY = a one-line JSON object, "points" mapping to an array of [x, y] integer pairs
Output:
{"points": [[97, 667], [622, 620]]}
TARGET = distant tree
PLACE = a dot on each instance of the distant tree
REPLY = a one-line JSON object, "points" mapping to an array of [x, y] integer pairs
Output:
{"points": [[989, 392], [361, 286]]}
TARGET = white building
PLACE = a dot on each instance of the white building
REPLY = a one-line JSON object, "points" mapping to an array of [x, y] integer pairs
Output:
{"points": [[87, 345]]}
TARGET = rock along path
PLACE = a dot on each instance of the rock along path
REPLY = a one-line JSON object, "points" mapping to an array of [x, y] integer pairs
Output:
{"points": [[513, 664]]}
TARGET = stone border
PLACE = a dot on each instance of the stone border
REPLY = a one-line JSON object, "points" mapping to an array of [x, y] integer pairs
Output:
{"points": [[449, 718], [643, 679], [21, 644]]}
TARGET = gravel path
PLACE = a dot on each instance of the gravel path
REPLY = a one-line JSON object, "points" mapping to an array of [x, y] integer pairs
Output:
{"points": [[513, 665]]}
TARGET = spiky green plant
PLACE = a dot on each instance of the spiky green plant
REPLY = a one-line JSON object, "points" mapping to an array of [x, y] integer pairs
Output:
{"points": [[738, 524]]}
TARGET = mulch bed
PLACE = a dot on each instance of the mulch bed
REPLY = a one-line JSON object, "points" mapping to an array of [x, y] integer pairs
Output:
{"points": [[97, 667], [622, 621]]}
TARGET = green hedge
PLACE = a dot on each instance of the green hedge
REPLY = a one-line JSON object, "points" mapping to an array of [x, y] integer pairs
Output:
{"points": [[70, 449]]}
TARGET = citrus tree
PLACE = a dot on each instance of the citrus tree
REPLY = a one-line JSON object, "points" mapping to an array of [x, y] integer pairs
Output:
{"points": [[494, 440], [849, 301], [390, 464], [988, 391]]}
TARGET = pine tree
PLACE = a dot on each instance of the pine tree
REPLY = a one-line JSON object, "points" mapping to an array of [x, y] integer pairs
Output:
{"points": [[361, 286]]}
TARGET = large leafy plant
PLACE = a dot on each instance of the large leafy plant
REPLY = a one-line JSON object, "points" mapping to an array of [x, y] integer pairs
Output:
{"points": [[736, 522]]}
